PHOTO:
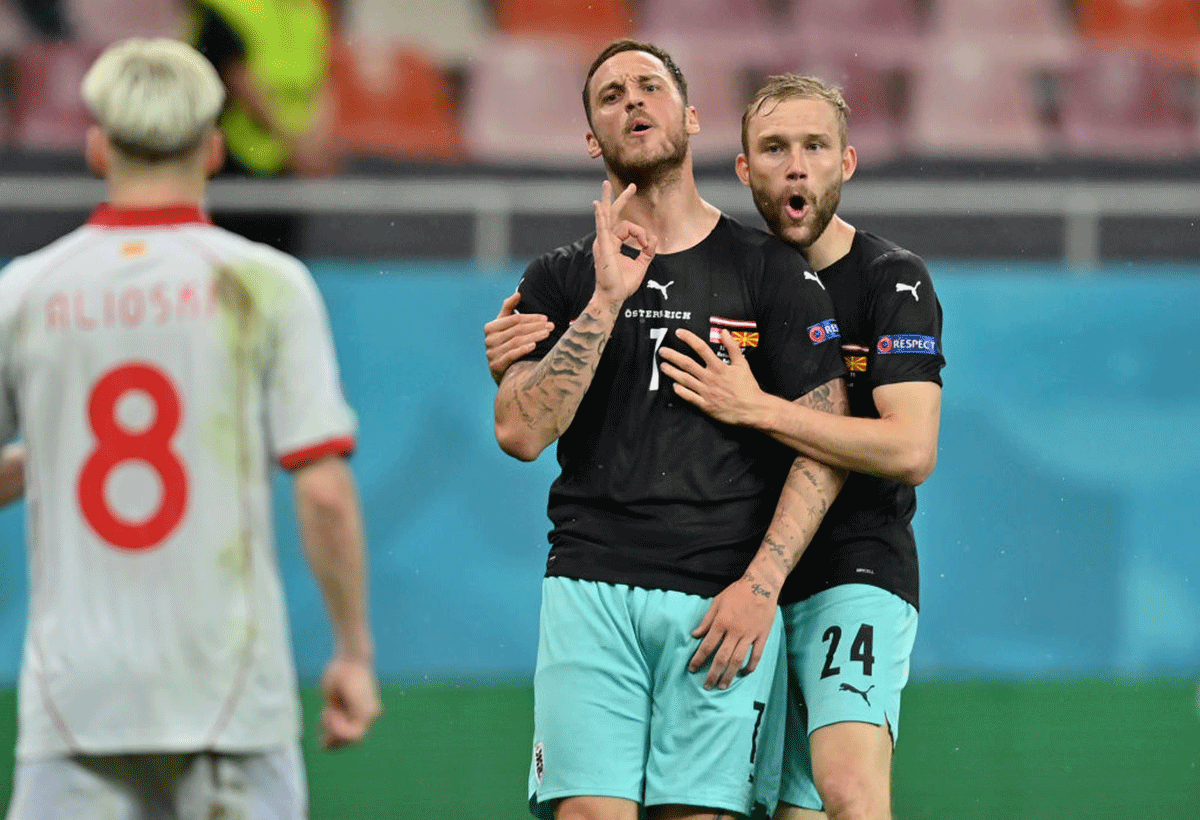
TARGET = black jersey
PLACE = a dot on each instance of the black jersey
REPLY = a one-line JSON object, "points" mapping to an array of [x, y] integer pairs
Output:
{"points": [[891, 326], [654, 493]]}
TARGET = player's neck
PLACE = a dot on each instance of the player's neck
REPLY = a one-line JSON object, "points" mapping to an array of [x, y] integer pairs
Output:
{"points": [[833, 243], [155, 191], [673, 210]]}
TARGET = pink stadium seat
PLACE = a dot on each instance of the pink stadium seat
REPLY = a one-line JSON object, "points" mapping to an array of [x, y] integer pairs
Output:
{"points": [[446, 30], [523, 104], [49, 113], [716, 17], [1033, 31], [967, 102], [1168, 29], [886, 32], [106, 21], [1118, 102]]}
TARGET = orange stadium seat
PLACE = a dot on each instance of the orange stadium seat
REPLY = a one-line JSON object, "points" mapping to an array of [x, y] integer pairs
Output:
{"points": [[1118, 102], [1029, 31], [590, 24], [523, 103], [393, 101], [966, 102], [1168, 29], [48, 111], [886, 32]]}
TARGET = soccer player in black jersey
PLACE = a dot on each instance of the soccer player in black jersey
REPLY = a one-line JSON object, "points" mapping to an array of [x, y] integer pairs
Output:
{"points": [[850, 606], [660, 644], [848, 655]]}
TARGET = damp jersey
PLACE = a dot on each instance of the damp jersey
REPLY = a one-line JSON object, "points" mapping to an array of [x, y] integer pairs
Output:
{"points": [[653, 493], [891, 326], [156, 367]]}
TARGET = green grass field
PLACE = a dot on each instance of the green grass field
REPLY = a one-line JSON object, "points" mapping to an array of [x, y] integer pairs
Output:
{"points": [[968, 751]]}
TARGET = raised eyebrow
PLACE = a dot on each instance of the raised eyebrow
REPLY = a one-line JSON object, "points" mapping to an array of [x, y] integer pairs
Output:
{"points": [[611, 85]]}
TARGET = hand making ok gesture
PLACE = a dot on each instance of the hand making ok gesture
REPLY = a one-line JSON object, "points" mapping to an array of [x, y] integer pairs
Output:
{"points": [[618, 275]]}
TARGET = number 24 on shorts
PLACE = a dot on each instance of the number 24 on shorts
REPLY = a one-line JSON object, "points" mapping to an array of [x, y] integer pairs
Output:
{"points": [[861, 649]]}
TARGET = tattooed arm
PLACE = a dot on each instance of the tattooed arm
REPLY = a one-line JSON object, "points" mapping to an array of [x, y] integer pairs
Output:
{"points": [[536, 401], [741, 616], [901, 444]]}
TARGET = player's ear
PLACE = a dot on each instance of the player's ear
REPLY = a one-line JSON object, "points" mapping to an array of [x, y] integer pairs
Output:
{"points": [[95, 151], [741, 167], [849, 162], [214, 152], [691, 120], [593, 146]]}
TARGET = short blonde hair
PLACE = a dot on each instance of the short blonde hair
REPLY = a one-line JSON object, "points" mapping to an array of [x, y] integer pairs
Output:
{"points": [[155, 99], [795, 87]]}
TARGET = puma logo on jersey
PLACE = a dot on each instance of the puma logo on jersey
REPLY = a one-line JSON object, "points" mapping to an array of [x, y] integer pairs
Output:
{"points": [[663, 288], [901, 287], [845, 687], [810, 275]]}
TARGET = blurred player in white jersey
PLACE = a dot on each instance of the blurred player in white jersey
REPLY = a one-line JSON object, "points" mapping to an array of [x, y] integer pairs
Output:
{"points": [[154, 367]]}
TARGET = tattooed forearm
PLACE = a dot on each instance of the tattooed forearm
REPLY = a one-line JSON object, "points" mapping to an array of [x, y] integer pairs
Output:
{"points": [[807, 494], [536, 402]]}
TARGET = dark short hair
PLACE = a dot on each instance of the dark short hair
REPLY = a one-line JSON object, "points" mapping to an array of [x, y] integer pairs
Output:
{"points": [[618, 46]]}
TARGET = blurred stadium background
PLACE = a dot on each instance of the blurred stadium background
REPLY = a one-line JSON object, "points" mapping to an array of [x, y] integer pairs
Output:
{"points": [[1043, 155]]}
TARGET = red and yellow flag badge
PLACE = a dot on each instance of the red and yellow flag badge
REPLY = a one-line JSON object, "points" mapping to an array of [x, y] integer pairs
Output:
{"points": [[856, 364], [745, 338]]}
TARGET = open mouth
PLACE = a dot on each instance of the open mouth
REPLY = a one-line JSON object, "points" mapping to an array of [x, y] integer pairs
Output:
{"points": [[796, 206], [639, 127]]}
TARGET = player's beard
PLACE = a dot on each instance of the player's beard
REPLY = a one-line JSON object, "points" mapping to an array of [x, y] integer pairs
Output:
{"points": [[821, 210], [648, 172]]}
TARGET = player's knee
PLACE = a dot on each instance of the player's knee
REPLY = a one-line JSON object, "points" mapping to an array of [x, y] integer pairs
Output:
{"points": [[595, 808], [853, 795]]}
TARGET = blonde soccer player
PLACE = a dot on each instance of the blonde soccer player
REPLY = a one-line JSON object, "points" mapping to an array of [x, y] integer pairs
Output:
{"points": [[155, 368]]}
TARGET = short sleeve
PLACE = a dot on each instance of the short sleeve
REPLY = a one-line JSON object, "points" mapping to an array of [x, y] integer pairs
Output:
{"points": [[8, 388], [801, 335], [543, 291], [307, 413], [908, 322]]}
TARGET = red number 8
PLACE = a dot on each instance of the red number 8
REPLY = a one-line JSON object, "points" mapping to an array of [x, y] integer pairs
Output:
{"points": [[115, 445]]}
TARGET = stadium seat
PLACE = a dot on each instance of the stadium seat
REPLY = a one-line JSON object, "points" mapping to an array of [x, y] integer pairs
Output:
{"points": [[1168, 29], [48, 111], [523, 104], [1118, 102], [1030, 31], [446, 30], [885, 32], [586, 25], [107, 21], [966, 102], [393, 101]]}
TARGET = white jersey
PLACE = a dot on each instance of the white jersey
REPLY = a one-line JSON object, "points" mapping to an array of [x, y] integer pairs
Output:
{"points": [[155, 366]]}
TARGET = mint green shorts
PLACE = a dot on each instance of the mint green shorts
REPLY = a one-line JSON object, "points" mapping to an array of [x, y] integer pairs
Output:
{"points": [[848, 649], [617, 713]]}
